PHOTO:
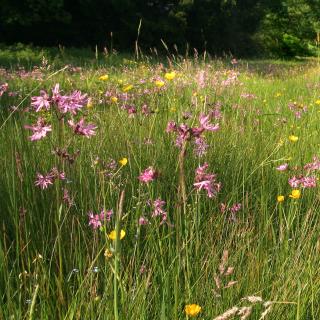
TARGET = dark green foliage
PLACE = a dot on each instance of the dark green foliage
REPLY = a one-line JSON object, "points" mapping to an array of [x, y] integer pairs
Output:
{"points": [[243, 27]]}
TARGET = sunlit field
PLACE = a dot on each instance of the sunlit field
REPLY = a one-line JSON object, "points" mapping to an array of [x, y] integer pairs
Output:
{"points": [[147, 188]]}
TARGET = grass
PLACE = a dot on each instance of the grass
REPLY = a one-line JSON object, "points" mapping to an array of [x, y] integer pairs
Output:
{"points": [[53, 264]]}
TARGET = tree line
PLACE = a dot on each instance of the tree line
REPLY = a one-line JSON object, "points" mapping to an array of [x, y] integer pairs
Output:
{"points": [[238, 27]]}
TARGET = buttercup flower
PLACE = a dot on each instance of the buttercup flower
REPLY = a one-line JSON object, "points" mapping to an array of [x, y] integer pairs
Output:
{"points": [[280, 198], [112, 235], [104, 77], [170, 75], [114, 99], [127, 88], [192, 310], [293, 138], [123, 161], [295, 194], [159, 83]]}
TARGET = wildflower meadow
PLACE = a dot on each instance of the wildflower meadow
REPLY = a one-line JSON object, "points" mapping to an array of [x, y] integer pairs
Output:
{"points": [[159, 188]]}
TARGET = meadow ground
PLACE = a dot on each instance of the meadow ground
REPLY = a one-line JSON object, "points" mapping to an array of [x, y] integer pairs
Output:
{"points": [[209, 168]]}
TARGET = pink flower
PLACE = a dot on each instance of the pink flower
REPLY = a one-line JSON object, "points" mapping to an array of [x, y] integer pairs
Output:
{"points": [[204, 123], [283, 167], [43, 181], [145, 110], [315, 165], [97, 220], [206, 181], [303, 182], [234, 61], [308, 182], [294, 182], [143, 221], [40, 102], [184, 132], [81, 129], [235, 207], [200, 146], [171, 126], [66, 198], [148, 175], [72, 103], [39, 130], [56, 93], [3, 88]]}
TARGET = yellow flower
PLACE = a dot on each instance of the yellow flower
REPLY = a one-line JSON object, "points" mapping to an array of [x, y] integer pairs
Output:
{"points": [[192, 310], [89, 103], [173, 109], [278, 94], [114, 99], [123, 161], [127, 88], [108, 253], [159, 83], [105, 77], [112, 234], [280, 143], [280, 198], [318, 101], [170, 75], [295, 194], [293, 138]]}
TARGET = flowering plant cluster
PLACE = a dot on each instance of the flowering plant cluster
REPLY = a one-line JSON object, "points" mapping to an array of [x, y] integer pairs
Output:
{"points": [[63, 105]]}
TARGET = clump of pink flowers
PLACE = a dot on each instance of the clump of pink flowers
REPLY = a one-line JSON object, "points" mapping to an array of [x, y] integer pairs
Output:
{"points": [[303, 182], [44, 181], [314, 165], [98, 220], [206, 181], [65, 103], [65, 106], [298, 109], [185, 133], [232, 210], [148, 175]]}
